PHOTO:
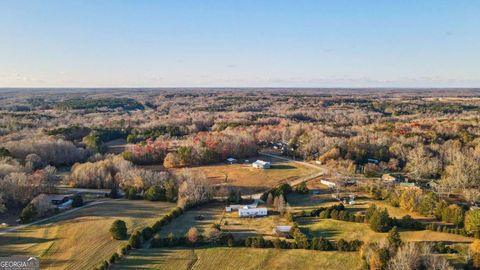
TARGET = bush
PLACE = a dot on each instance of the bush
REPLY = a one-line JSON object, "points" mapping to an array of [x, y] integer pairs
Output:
{"points": [[302, 188], [28, 213], [475, 249], [321, 244], [155, 193], [147, 233], [118, 230], [114, 194], [394, 238], [453, 214], [472, 222], [77, 201], [136, 240], [380, 221], [131, 193]]}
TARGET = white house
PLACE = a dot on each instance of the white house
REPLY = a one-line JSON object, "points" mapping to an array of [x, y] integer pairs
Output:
{"points": [[328, 183], [240, 206], [260, 164], [252, 212]]}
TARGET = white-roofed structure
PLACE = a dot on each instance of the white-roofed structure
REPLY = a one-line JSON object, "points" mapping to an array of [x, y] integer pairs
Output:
{"points": [[252, 212], [260, 164]]}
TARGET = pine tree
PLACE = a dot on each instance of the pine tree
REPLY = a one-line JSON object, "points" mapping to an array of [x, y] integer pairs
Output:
{"points": [[394, 238]]}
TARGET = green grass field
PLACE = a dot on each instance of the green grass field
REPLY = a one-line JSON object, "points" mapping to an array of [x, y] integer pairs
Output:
{"points": [[81, 239], [238, 258]]}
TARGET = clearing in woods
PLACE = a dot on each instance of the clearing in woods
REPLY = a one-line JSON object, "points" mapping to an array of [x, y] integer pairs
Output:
{"points": [[81, 239], [252, 180], [238, 258]]}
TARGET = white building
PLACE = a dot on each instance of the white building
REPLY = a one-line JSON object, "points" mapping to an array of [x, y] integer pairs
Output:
{"points": [[328, 183], [260, 164], [231, 160], [252, 212], [281, 230]]}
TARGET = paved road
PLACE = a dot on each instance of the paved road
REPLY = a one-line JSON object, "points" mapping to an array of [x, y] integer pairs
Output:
{"points": [[68, 212], [84, 190]]}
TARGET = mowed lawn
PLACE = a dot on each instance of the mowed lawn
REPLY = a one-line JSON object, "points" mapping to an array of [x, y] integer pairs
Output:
{"points": [[80, 240], [238, 258], [250, 179]]}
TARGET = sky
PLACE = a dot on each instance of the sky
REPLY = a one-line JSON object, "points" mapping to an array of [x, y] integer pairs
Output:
{"points": [[239, 43]]}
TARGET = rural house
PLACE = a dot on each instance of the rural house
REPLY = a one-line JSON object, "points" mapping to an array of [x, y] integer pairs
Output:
{"points": [[260, 164], [252, 212]]}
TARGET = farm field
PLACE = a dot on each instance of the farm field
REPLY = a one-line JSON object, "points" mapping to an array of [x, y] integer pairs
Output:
{"points": [[238, 258], [81, 239], [252, 180], [211, 214], [337, 229], [214, 213], [243, 227], [324, 198]]}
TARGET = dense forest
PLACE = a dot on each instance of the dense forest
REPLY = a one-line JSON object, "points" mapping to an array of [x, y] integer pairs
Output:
{"points": [[429, 136]]}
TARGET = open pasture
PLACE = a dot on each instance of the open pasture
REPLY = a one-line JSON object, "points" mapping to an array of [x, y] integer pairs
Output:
{"points": [[81, 239], [238, 258]]}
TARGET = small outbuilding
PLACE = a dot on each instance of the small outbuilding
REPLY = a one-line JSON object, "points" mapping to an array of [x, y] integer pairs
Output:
{"points": [[231, 160], [282, 230], [260, 164]]}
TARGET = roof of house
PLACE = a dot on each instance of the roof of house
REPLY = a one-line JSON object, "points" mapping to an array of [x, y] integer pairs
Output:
{"points": [[247, 209], [261, 162]]}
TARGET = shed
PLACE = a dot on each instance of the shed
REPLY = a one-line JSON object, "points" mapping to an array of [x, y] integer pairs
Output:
{"points": [[282, 230]]}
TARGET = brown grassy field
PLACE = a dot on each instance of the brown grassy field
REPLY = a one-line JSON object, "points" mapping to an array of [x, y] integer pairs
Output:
{"points": [[243, 227], [81, 239], [230, 222], [250, 179], [238, 258], [212, 214]]}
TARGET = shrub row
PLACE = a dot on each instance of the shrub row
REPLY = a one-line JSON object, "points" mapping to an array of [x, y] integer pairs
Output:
{"points": [[138, 237], [447, 229], [226, 239]]}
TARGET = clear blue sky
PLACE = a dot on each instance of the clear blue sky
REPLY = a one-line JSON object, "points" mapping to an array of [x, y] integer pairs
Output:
{"points": [[240, 43]]}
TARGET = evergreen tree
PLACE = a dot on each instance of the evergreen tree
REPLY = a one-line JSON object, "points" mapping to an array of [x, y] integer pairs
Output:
{"points": [[28, 213], [394, 238], [118, 230], [77, 201], [155, 193], [380, 221]]}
